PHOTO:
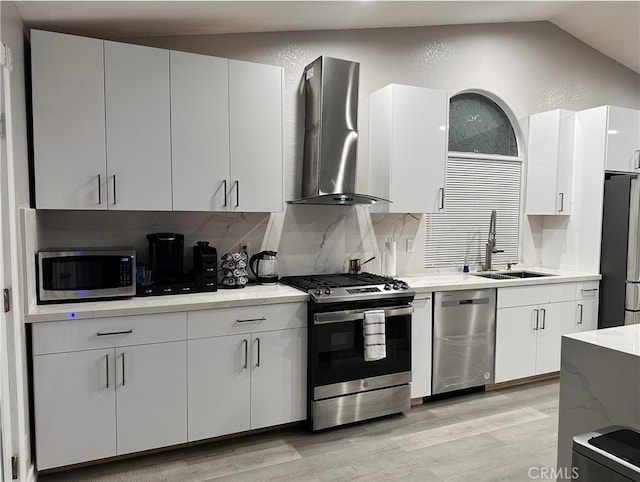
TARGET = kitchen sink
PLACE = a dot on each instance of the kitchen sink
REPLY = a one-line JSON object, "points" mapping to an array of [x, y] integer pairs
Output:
{"points": [[511, 274]]}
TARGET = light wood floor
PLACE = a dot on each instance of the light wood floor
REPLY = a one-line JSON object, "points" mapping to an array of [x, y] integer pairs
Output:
{"points": [[498, 435]]}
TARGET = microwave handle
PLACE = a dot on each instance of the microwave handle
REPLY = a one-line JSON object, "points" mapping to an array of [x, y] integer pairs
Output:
{"points": [[354, 315]]}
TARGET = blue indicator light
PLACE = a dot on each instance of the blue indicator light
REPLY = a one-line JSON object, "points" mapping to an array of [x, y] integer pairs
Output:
{"points": [[82, 292], [71, 315], [77, 253], [125, 260]]}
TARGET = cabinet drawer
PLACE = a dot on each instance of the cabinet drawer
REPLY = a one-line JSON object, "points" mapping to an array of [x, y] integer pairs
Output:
{"points": [[72, 335], [587, 290], [246, 319], [535, 294]]}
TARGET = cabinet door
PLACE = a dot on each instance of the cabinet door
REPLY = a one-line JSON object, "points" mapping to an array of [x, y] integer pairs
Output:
{"points": [[152, 396], [278, 377], [421, 328], [623, 140], [556, 319], [75, 407], [255, 129], [550, 162], [68, 121], [408, 148], [515, 343], [138, 127], [587, 315], [419, 149], [219, 386], [199, 132]]}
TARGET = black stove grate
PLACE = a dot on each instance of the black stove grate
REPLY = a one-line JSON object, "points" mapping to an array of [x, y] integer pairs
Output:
{"points": [[337, 280]]}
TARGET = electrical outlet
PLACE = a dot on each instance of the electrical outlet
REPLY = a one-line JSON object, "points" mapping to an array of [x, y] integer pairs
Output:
{"points": [[245, 247], [410, 245]]}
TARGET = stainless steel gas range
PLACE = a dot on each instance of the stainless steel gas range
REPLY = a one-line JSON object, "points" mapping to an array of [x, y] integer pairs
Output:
{"points": [[342, 386]]}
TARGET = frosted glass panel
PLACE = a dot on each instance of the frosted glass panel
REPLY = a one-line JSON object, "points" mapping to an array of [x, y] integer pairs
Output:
{"points": [[477, 124]]}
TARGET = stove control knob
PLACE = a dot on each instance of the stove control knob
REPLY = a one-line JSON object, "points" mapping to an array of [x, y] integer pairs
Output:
{"points": [[327, 291], [387, 286], [318, 291], [396, 286], [404, 286]]}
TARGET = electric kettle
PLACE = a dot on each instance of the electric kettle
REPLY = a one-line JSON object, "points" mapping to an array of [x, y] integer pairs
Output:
{"points": [[264, 266]]}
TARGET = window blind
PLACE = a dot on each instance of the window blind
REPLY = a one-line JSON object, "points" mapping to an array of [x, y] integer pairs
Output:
{"points": [[473, 188]]}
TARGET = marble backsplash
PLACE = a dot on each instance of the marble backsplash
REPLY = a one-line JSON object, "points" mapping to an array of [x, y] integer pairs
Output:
{"points": [[308, 239]]}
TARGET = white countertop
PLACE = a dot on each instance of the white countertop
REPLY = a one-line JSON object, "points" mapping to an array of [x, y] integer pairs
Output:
{"points": [[268, 294], [464, 281], [625, 339]]}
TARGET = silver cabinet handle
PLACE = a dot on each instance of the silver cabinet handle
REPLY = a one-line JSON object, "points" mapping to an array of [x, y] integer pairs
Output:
{"points": [[224, 183], [114, 189], [638, 158], [123, 369], [109, 333], [589, 290], [441, 196], [99, 191], [580, 309], [561, 202], [544, 318], [258, 358], [246, 354], [237, 193], [251, 320], [106, 359], [537, 312]]}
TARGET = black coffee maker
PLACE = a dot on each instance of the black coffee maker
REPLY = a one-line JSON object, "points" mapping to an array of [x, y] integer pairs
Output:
{"points": [[166, 256]]}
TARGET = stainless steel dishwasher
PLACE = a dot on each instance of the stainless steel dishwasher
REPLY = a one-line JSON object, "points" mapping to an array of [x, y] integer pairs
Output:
{"points": [[464, 334]]}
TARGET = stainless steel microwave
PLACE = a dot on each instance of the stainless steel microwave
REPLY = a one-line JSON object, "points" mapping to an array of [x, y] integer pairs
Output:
{"points": [[86, 274]]}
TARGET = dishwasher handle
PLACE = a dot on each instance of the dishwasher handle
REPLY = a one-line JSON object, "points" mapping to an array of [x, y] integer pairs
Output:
{"points": [[467, 301]]}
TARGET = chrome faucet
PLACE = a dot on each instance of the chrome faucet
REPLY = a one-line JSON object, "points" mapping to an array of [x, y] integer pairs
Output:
{"points": [[490, 247]]}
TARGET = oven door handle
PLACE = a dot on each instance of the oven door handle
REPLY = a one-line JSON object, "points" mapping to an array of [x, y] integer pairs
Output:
{"points": [[353, 315]]}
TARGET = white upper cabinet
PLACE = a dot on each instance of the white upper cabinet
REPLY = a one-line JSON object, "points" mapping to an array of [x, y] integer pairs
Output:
{"points": [[550, 162], [255, 128], [68, 121], [138, 127], [127, 127], [408, 148], [609, 136], [623, 140], [200, 132]]}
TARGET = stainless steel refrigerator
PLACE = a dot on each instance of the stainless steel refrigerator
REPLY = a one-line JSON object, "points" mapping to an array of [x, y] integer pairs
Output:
{"points": [[620, 252]]}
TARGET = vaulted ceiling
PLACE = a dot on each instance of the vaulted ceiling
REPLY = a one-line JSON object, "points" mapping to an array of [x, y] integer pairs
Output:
{"points": [[613, 28]]}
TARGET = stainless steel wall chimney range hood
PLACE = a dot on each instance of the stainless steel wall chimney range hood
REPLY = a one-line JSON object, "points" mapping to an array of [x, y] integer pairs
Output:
{"points": [[331, 134]]}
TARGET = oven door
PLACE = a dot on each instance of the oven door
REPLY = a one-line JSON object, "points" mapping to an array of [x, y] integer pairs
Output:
{"points": [[337, 346]]}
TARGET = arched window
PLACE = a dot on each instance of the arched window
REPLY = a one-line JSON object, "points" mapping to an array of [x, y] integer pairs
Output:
{"points": [[477, 124], [483, 173]]}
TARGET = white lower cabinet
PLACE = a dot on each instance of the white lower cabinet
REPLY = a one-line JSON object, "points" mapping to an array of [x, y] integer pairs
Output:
{"points": [[421, 337], [246, 368], [151, 390], [75, 407], [108, 387], [587, 301], [530, 322]]}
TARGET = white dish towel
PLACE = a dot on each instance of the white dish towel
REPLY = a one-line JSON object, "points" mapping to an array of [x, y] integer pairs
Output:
{"points": [[374, 335]]}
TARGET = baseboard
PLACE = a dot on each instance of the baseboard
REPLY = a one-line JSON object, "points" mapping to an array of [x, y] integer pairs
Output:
{"points": [[522, 381]]}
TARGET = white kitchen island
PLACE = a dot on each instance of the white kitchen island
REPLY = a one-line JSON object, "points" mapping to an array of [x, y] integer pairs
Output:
{"points": [[599, 384]]}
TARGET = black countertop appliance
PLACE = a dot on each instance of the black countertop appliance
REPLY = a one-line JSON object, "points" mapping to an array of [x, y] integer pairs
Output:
{"points": [[166, 255]]}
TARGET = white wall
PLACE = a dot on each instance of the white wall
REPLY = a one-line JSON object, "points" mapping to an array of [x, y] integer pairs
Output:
{"points": [[12, 36]]}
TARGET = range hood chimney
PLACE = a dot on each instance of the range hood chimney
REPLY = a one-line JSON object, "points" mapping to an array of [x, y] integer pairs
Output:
{"points": [[331, 134]]}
